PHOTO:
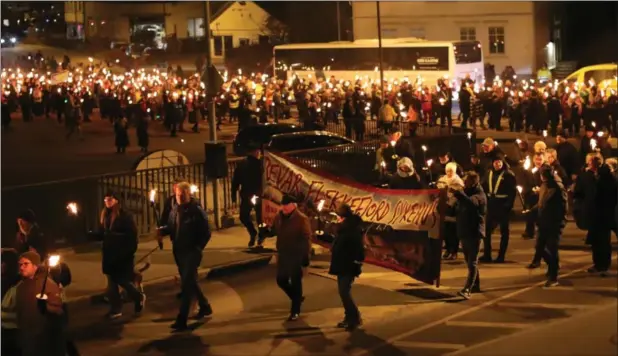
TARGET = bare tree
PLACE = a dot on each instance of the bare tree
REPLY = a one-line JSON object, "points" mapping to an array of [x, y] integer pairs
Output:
{"points": [[274, 28]]}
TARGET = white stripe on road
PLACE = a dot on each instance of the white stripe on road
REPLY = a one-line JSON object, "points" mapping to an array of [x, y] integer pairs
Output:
{"points": [[542, 305], [429, 345], [485, 324], [582, 289]]}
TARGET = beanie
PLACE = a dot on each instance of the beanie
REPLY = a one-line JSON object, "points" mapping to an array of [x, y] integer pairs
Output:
{"points": [[31, 256]]}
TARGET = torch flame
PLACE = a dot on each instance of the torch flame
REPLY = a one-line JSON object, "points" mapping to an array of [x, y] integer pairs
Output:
{"points": [[429, 162], [254, 199], [527, 163], [321, 205], [518, 141], [424, 148], [600, 134], [593, 144], [520, 189], [72, 208], [153, 193], [393, 143], [469, 135], [53, 260], [544, 133]]}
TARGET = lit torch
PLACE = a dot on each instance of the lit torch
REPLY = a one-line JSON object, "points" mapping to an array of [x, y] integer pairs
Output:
{"points": [[194, 189], [429, 163], [72, 208], [320, 230], [153, 201], [527, 163], [469, 139], [593, 144], [52, 262], [520, 189], [424, 148]]}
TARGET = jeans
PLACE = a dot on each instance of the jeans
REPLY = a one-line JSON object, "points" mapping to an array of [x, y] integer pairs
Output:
{"points": [[490, 225], [470, 249], [245, 215], [600, 241], [189, 263], [344, 286], [547, 242], [451, 242], [115, 301], [292, 285]]}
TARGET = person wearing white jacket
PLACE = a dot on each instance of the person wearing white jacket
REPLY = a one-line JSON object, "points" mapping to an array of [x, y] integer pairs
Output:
{"points": [[450, 180]]}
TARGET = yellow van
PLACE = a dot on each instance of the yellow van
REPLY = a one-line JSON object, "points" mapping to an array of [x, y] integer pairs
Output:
{"points": [[604, 75]]}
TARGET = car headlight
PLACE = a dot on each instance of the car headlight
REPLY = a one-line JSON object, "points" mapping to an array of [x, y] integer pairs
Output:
{"points": [[13, 39]]}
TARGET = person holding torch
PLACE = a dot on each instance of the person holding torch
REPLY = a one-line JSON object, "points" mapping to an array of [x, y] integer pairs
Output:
{"points": [[38, 306], [248, 179]]}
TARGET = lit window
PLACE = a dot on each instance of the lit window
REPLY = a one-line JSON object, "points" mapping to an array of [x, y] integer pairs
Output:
{"points": [[496, 40], [467, 34], [195, 27]]}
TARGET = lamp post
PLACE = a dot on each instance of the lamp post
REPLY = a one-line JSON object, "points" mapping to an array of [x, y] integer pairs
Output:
{"points": [[380, 51]]}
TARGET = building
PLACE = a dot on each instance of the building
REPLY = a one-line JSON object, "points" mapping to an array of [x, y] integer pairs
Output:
{"points": [[511, 33], [233, 23]]}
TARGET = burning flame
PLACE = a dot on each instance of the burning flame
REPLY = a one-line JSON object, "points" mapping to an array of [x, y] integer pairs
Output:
{"points": [[534, 170], [424, 148], [527, 163], [469, 135], [254, 199], [429, 162], [518, 141], [593, 144], [72, 208], [600, 134], [53, 260], [520, 189], [153, 193], [321, 205], [544, 133], [393, 143], [194, 189]]}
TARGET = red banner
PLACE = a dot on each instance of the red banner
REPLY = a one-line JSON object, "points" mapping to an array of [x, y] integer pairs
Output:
{"points": [[401, 227]]}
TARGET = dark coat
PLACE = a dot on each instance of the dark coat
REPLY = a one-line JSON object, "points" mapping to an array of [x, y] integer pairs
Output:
{"points": [[142, 132], [247, 177], [471, 209], [121, 134], [568, 157], [594, 199], [411, 182], [551, 208], [348, 252], [188, 227], [40, 334], [293, 242], [34, 239], [119, 234], [501, 196]]}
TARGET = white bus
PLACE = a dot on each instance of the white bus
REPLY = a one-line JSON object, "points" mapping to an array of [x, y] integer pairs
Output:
{"points": [[360, 59]]}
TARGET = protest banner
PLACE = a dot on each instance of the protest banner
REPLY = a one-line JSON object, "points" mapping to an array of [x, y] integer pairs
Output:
{"points": [[401, 227]]}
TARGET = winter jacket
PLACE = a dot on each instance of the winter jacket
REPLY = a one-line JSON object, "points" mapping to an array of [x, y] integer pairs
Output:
{"points": [[471, 210], [551, 207], [348, 252], [187, 226], [119, 235], [293, 242]]}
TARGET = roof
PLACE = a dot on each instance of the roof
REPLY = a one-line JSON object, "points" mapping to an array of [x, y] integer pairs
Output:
{"points": [[217, 8]]}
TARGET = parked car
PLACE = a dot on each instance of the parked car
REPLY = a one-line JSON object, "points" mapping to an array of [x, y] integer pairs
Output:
{"points": [[297, 141], [260, 135], [9, 40], [603, 75]]}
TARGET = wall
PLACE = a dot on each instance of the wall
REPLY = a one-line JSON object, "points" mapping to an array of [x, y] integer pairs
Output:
{"points": [[442, 21]]}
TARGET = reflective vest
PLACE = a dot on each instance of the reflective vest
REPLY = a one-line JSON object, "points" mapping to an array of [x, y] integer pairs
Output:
{"points": [[493, 191], [9, 309]]}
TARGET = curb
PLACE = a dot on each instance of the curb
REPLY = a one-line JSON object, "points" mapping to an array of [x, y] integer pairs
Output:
{"points": [[203, 273]]}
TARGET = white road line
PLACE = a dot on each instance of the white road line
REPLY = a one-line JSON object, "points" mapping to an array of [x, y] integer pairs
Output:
{"points": [[488, 303], [429, 345], [542, 305], [485, 324], [582, 289]]}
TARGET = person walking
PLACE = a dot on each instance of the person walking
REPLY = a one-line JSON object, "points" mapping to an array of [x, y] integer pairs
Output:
{"points": [[293, 231], [187, 226], [248, 178], [347, 256], [471, 210]]}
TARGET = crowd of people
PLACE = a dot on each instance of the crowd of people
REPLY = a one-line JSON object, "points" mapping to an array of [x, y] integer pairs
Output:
{"points": [[549, 181]]}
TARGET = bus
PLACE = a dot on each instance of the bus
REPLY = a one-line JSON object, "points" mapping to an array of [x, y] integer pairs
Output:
{"points": [[402, 58]]}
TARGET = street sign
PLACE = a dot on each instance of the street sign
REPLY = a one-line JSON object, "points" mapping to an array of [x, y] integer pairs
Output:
{"points": [[213, 80]]}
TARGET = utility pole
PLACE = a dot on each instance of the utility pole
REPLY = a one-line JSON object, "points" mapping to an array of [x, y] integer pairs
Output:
{"points": [[85, 19], [212, 125], [380, 51], [338, 22]]}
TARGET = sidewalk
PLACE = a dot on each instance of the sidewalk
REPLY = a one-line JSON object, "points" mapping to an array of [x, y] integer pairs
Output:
{"points": [[226, 252]]}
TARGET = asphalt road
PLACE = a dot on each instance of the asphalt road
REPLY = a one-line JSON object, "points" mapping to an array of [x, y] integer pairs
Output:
{"points": [[401, 316]]}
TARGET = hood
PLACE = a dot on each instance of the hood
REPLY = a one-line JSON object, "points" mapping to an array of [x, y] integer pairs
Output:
{"points": [[402, 163], [454, 180]]}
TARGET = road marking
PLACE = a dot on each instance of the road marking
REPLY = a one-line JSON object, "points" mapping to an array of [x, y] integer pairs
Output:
{"points": [[486, 324], [582, 289], [486, 304], [542, 305], [429, 345]]}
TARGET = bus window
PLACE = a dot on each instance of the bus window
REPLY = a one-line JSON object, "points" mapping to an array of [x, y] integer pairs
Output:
{"points": [[467, 52]]}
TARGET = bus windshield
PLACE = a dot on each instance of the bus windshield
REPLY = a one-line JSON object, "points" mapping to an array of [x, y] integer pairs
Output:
{"points": [[467, 52]]}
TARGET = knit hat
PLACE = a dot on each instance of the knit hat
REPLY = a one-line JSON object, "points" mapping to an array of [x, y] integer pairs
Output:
{"points": [[287, 199], [27, 215], [31, 256], [405, 162]]}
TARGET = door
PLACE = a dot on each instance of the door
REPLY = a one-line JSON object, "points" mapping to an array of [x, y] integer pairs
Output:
{"points": [[228, 43]]}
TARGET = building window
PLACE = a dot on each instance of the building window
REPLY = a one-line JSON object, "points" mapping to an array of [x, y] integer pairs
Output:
{"points": [[218, 46], [467, 34], [417, 32], [496, 40], [195, 27], [244, 41]]}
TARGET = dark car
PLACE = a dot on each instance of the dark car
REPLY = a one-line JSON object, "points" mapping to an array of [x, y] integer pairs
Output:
{"points": [[9, 39], [297, 141], [260, 135]]}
